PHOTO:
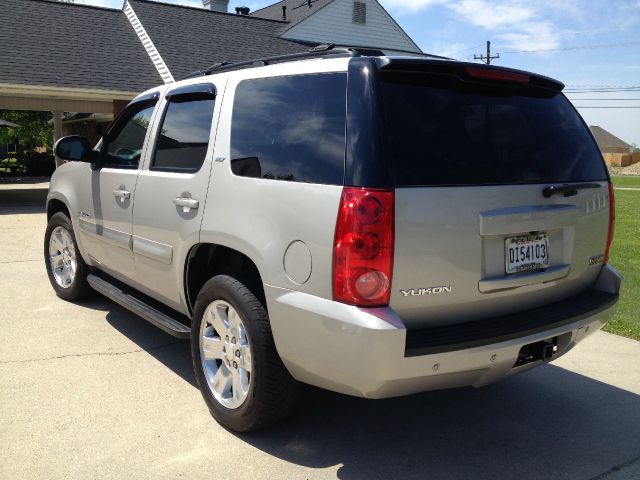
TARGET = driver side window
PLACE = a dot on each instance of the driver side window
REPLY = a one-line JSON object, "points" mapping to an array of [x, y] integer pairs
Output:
{"points": [[125, 142]]}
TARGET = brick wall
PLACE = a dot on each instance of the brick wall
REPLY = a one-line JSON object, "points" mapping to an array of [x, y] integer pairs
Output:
{"points": [[621, 159]]}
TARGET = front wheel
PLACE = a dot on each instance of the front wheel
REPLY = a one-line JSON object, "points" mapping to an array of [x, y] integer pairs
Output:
{"points": [[66, 269], [241, 377]]}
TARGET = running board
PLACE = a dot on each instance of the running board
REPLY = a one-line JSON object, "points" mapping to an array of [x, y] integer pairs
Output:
{"points": [[165, 322]]}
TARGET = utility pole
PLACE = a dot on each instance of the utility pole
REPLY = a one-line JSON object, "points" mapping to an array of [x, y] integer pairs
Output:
{"points": [[488, 58]]}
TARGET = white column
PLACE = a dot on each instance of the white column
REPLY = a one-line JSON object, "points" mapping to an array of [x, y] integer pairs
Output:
{"points": [[57, 131]]}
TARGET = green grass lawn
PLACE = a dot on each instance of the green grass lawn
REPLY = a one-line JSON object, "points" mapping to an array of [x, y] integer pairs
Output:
{"points": [[626, 181], [625, 256]]}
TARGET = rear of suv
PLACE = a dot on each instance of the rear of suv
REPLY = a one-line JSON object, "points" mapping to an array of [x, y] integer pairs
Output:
{"points": [[372, 225]]}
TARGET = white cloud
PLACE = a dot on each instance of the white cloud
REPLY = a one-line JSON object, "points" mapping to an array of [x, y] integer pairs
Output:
{"points": [[485, 14], [516, 24], [449, 49], [532, 36], [405, 6]]}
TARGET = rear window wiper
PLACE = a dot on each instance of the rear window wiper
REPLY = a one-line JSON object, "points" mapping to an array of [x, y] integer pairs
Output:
{"points": [[568, 190]]}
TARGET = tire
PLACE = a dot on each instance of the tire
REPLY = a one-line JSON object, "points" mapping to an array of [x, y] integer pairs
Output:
{"points": [[256, 398], [76, 288]]}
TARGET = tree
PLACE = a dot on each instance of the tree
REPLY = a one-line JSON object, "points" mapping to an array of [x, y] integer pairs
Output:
{"points": [[34, 129]]}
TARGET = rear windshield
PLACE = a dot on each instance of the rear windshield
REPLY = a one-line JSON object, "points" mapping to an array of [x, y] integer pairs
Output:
{"points": [[439, 131]]}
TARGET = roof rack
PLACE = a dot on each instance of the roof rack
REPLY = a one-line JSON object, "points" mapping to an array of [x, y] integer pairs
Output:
{"points": [[324, 50]]}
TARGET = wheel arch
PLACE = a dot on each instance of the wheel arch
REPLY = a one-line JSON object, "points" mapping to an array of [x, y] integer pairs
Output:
{"points": [[206, 260], [55, 205]]}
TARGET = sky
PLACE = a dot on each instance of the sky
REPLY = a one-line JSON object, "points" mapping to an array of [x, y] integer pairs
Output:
{"points": [[592, 46]]}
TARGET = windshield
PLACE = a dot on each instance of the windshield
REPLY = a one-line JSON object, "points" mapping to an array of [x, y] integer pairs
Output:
{"points": [[440, 131]]}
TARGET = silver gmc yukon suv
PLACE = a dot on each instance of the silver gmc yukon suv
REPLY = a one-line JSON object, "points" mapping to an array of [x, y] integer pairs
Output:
{"points": [[372, 225]]}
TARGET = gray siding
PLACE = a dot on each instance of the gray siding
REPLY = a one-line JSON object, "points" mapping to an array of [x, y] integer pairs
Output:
{"points": [[333, 23]]}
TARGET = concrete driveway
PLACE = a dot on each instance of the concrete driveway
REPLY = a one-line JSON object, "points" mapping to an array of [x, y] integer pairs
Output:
{"points": [[88, 390]]}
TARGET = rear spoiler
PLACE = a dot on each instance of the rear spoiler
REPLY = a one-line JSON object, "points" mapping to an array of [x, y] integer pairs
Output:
{"points": [[467, 71]]}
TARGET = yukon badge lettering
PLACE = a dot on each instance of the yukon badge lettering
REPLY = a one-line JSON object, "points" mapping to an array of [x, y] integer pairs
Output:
{"points": [[416, 292]]}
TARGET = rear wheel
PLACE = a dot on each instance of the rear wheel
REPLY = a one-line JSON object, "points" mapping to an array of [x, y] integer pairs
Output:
{"points": [[239, 372], [65, 267]]}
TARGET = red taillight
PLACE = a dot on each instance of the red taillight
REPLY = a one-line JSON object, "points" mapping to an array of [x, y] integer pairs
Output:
{"points": [[500, 75], [363, 247], [612, 218]]}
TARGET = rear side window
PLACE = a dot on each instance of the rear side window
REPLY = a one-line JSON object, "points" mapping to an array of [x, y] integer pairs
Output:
{"points": [[184, 136], [290, 128], [441, 133]]}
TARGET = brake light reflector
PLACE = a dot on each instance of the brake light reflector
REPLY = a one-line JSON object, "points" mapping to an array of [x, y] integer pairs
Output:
{"points": [[494, 74], [363, 247], [612, 218]]}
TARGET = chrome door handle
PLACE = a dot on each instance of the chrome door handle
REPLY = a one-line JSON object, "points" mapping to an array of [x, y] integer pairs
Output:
{"points": [[187, 203], [122, 194]]}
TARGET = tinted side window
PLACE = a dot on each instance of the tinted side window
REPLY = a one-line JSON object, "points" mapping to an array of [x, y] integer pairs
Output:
{"points": [[290, 128], [184, 136], [125, 142], [440, 133]]}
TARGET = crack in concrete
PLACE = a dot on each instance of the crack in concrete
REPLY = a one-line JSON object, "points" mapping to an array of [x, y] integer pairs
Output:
{"points": [[93, 354], [21, 261], [616, 469]]}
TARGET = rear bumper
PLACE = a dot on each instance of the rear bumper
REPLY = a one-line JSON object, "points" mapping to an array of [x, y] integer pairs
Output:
{"points": [[370, 353]]}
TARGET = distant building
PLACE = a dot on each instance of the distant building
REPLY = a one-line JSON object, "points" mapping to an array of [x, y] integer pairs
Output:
{"points": [[608, 142], [616, 152]]}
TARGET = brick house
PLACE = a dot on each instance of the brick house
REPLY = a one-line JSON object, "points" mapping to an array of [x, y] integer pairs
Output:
{"points": [[616, 152]]}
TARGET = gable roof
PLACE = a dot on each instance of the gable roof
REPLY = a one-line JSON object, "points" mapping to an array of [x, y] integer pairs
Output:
{"points": [[190, 38], [606, 139], [66, 45], [297, 10]]}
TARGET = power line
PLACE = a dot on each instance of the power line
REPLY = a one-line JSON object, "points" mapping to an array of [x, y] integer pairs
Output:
{"points": [[464, 50], [618, 87], [608, 106], [573, 85], [605, 99], [612, 90], [582, 47]]}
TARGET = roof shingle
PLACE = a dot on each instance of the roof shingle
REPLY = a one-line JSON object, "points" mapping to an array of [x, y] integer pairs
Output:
{"points": [[606, 139], [66, 45], [57, 44], [297, 10], [190, 39]]}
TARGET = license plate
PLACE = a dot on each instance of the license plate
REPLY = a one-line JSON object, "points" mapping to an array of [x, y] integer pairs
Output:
{"points": [[525, 253]]}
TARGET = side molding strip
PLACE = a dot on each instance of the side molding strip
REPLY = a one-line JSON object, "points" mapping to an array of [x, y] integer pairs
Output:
{"points": [[109, 235], [153, 250]]}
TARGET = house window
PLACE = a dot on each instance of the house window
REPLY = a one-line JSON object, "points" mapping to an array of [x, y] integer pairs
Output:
{"points": [[360, 13]]}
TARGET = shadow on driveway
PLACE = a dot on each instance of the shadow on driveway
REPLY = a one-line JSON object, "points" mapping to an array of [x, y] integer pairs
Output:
{"points": [[22, 200], [545, 424]]}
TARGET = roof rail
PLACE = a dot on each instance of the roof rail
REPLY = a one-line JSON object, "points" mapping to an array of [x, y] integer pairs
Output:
{"points": [[324, 50]]}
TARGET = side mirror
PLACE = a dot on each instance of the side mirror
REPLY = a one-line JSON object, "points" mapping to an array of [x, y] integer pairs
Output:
{"points": [[74, 148]]}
